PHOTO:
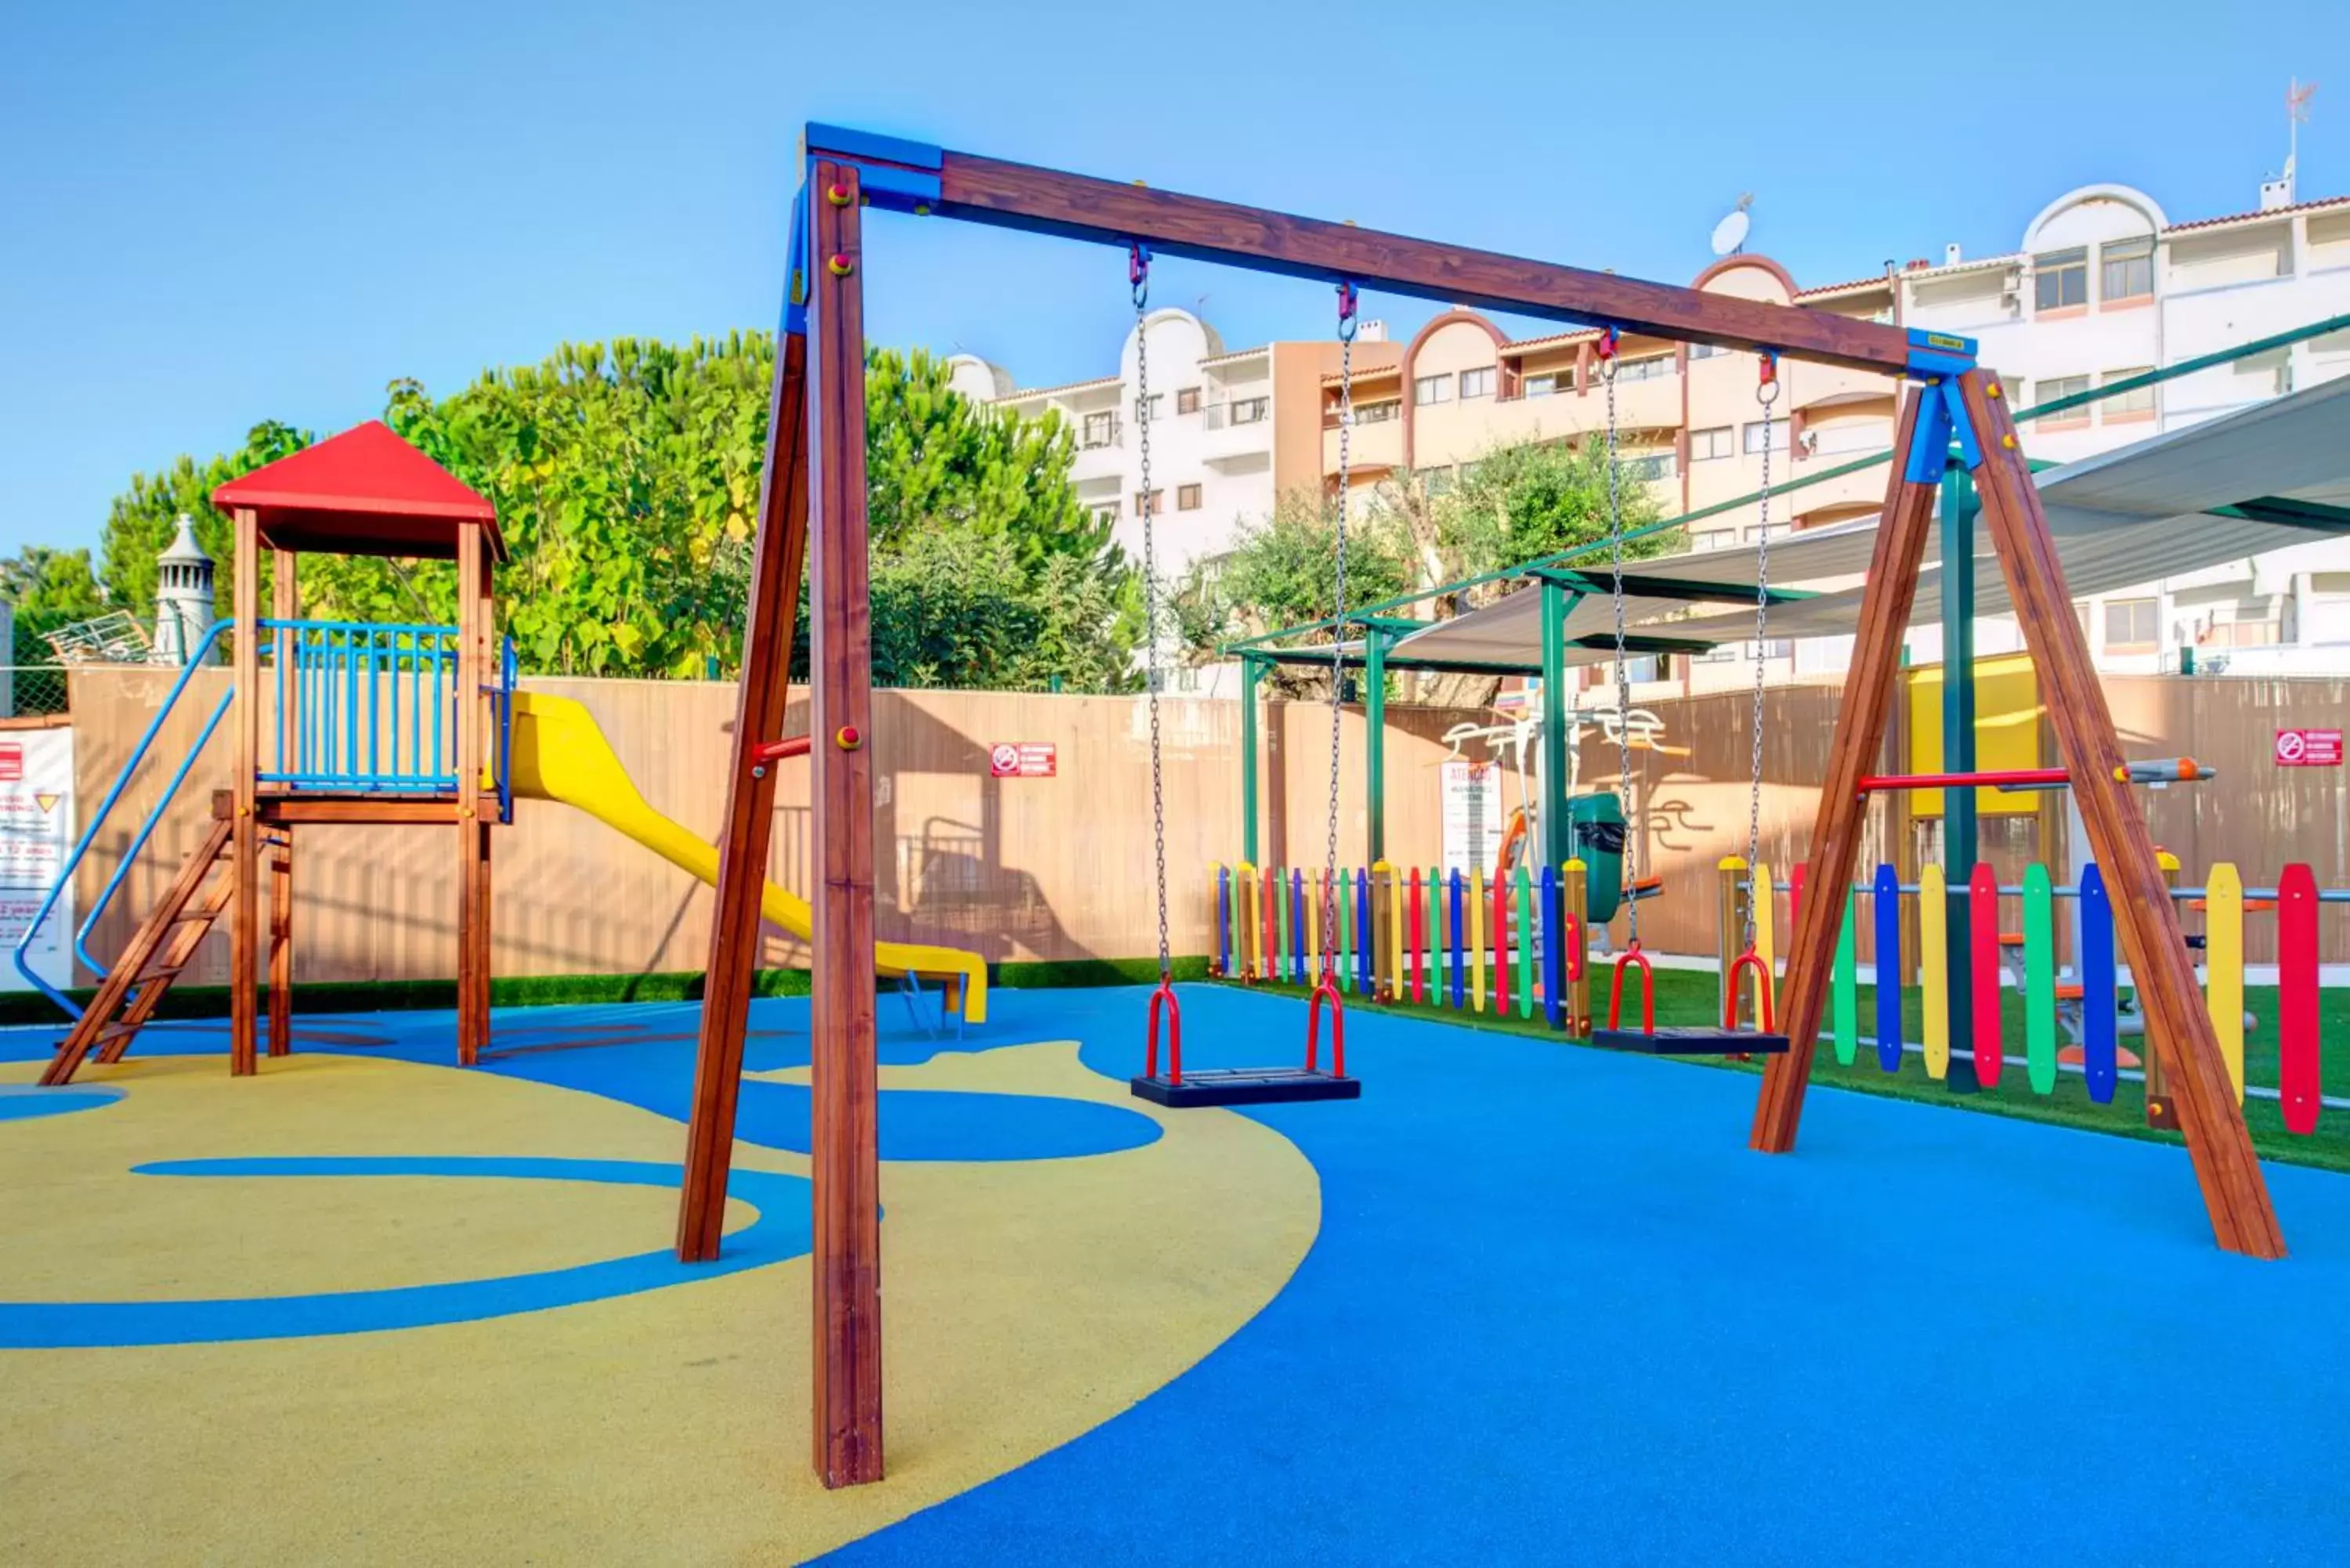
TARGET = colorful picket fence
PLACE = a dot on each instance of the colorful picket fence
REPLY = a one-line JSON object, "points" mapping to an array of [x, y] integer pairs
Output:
{"points": [[1512, 946], [1517, 946], [2021, 956]]}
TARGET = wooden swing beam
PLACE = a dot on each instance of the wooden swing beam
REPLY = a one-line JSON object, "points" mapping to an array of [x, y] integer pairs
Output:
{"points": [[815, 450]]}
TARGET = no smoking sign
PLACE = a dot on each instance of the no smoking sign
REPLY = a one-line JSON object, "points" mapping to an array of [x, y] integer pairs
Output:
{"points": [[1023, 759], [2309, 748]]}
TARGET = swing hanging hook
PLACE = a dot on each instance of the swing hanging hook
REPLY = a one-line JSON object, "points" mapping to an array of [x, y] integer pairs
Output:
{"points": [[1137, 272], [1347, 320]]}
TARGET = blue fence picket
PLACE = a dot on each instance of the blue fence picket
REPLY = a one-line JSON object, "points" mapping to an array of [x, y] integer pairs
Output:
{"points": [[1887, 900]]}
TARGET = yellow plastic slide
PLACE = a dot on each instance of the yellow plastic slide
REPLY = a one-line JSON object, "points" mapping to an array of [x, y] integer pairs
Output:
{"points": [[560, 755]]}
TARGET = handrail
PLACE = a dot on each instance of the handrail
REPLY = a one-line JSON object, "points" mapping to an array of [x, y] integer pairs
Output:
{"points": [[89, 834], [146, 831]]}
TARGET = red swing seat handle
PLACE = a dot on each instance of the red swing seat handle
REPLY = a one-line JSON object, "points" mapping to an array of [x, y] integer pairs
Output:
{"points": [[1630, 958], [1165, 996], [1750, 958], [1326, 988]]}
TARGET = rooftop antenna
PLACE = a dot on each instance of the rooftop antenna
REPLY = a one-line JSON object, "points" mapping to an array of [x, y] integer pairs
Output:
{"points": [[1730, 234]]}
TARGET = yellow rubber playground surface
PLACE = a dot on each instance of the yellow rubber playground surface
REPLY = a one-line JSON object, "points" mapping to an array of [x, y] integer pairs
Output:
{"points": [[335, 1334]]}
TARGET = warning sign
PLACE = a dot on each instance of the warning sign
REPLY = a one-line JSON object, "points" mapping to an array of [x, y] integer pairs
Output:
{"points": [[1023, 759], [2309, 748], [12, 763]]}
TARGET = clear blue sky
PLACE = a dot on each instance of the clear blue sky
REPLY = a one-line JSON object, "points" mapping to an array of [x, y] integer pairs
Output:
{"points": [[214, 214]]}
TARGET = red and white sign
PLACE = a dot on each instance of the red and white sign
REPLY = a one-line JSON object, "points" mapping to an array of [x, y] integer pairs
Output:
{"points": [[11, 764], [1023, 759], [2309, 748]]}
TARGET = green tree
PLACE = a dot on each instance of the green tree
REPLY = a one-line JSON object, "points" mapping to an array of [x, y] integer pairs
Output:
{"points": [[626, 477], [1518, 503], [47, 590], [1282, 571]]}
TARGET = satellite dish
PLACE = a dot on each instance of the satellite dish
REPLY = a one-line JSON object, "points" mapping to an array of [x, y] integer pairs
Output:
{"points": [[1730, 234]]}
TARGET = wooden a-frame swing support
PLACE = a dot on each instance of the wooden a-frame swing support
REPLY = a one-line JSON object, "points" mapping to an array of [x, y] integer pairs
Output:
{"points": [[816, 471]]}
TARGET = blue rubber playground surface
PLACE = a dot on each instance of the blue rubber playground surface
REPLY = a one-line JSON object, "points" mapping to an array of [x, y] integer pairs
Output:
{"points": [[1552, 1310]]}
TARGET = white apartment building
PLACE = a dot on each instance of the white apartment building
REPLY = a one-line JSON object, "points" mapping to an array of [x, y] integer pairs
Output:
{"points": [[1230, 431], [2106, 285]]}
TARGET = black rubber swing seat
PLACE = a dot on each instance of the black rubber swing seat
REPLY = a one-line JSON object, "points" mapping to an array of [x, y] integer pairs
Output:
{"points": [[1693, 1041], [1244, 1086]]}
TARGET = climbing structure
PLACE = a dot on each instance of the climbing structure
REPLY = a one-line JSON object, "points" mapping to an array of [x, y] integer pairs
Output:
{"points": [[331, 721]]}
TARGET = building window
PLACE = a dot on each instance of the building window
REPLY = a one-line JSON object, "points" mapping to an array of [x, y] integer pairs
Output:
{"points": [[1158, 406], [1708, 444], [2125, 270], [1759, 430], [1550, 381], [2060, 278], [2251, 623], [1649, 369], [1476, 384], [2136, 404], [2132, 626], [1101, 430], [1649, 465], [1426, 389], [2053, 387], [1714, 539], [1705, 350], [1152, 503], [1187, 498], [1771, 647], [1186, 399], [1435, 481], [1250, 410], [1375, 414], [1721, 653]]}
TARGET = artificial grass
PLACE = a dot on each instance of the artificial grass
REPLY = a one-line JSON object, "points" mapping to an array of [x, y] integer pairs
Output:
{"points": [[1692, 997]]}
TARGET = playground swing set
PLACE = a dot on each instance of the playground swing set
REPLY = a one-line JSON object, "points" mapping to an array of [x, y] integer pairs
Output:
{"points": [[816, 455], [340, 756]]}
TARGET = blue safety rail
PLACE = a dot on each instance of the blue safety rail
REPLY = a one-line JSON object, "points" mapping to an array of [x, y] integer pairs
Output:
{"points": [[373, 708], [197, 658]]}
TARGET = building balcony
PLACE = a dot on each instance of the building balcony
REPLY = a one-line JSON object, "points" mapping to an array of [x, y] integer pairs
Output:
{"points": [[1376, 443]]}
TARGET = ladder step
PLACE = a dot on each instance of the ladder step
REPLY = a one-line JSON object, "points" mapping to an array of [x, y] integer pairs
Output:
{"points": [[168, 971]]}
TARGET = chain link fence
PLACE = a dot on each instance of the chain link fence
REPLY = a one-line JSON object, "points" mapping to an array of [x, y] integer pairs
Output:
{"points": [[27, 690]]}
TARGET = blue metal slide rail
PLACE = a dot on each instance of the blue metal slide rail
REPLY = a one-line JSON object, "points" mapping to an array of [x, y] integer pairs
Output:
{"points": [[98, 819]]}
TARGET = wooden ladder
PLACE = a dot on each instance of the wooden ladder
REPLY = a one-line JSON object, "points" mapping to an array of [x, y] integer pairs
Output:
{"points": [[162, 948]]}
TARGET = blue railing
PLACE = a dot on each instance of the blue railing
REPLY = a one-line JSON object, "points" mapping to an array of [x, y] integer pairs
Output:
{"points": [[373, 708], [196, 658]]}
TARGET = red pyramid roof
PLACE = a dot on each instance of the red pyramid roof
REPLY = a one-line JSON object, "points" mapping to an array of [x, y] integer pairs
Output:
{"points": [[363, 493]]}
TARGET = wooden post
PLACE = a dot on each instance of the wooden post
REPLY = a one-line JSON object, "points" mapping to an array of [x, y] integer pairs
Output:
{"points": [[844, 1156], [1835, 834], [471, 1009], [285, 605], [245, 842], [759, 703], [2177, 1027]]}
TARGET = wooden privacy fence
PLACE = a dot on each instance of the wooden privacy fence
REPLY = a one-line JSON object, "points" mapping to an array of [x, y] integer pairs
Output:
{"points": [[1059, 868]]}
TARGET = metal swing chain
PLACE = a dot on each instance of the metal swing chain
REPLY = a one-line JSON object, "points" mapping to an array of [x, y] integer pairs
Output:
{"points": [[1347, 324], [1137, 272], [1767, 394], [1623, 672]]}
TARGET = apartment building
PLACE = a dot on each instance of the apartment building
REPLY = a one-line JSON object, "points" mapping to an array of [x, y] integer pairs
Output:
{"points": [[1231, 430], [2104, 286]]}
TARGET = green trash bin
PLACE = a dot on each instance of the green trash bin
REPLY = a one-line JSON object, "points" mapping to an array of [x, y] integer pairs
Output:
{"points": [[1595, 833]]}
